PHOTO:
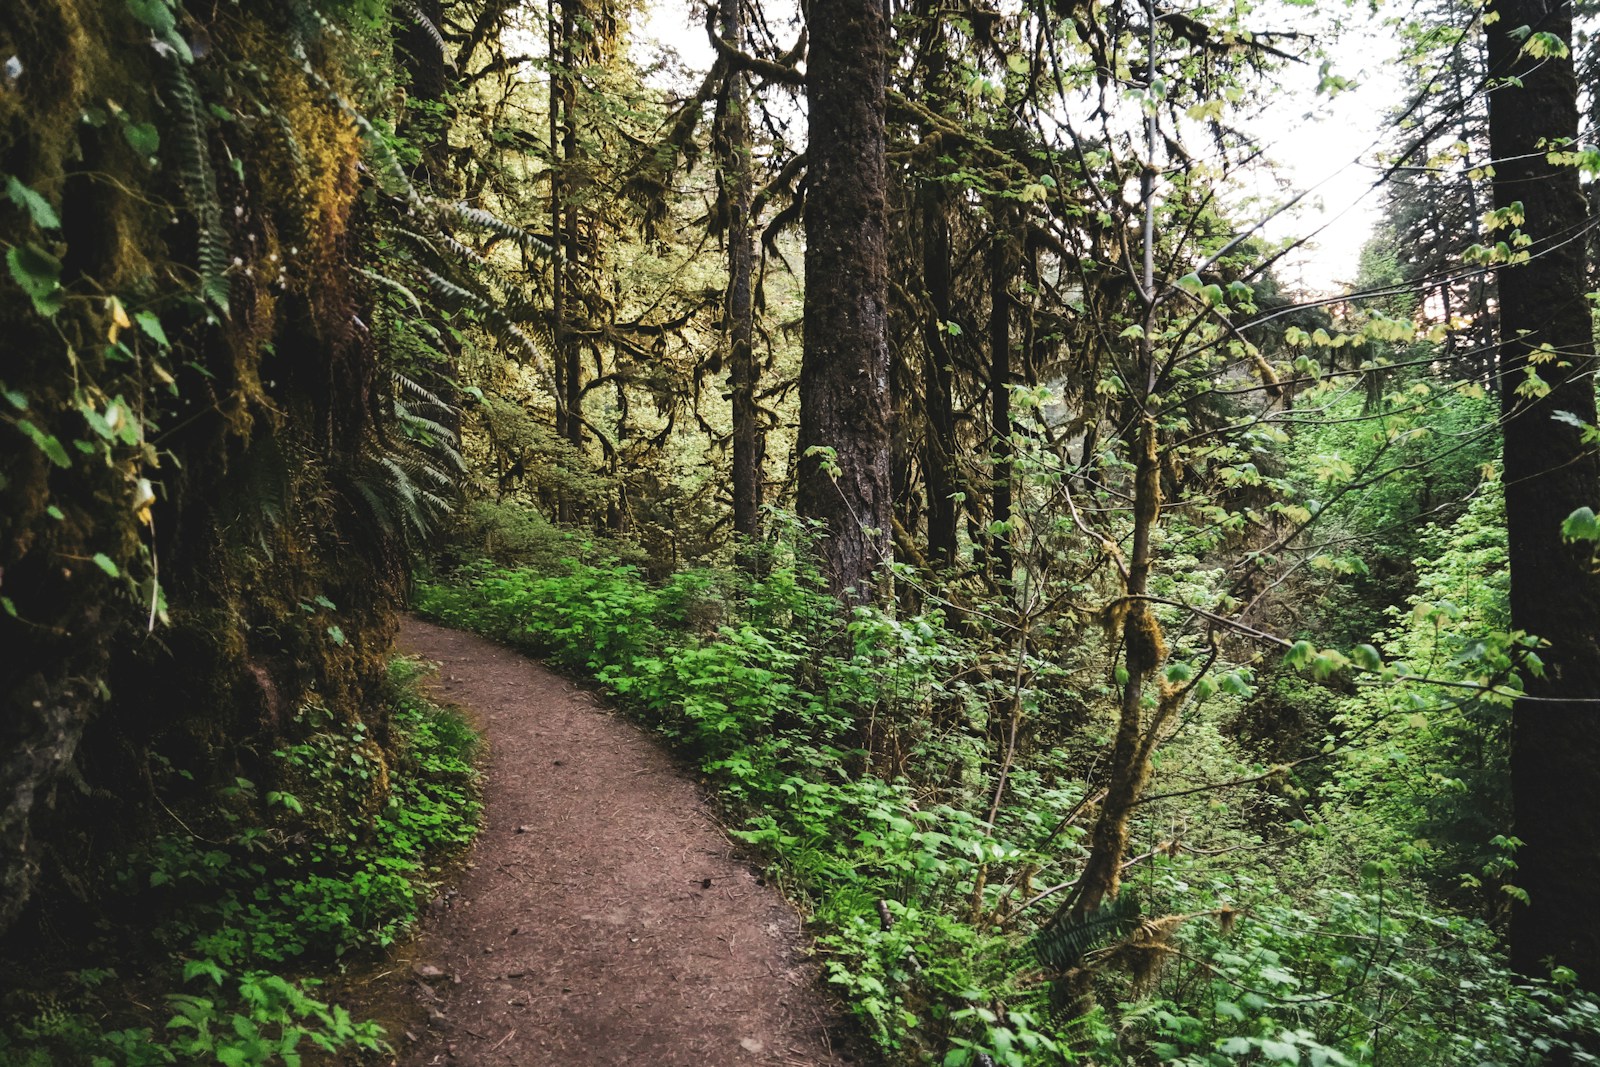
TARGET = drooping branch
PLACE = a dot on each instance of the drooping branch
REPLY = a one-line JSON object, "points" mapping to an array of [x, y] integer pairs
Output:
{"points": [[785, 72]]}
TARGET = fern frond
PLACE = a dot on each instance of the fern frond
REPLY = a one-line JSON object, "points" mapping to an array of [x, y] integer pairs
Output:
{"points": [[433, 33], [1062, 943], [461, 250], [459, 297], [477, 219], [421, 246], [199, 183], [438, 438], [409, 386], [392, 176], [394, 286], [418, 323]]}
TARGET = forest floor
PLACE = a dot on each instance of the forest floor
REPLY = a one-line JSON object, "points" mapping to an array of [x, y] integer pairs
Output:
{"points": [[603, 916]]}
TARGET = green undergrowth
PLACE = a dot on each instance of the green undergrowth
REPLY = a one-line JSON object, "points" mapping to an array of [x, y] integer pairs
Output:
{"points": [[335, 860], [927, 918]]}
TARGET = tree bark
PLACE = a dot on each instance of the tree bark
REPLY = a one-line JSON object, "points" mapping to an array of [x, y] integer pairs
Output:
{"points": [[733, 148], [939, 435], [1143, 651], [572, 351], [1549, 472], [844, 477], [1002, 268], [567, 358]]}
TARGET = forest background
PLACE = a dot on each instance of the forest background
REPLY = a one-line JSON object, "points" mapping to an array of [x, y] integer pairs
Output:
{"points": [[1118, 656]]}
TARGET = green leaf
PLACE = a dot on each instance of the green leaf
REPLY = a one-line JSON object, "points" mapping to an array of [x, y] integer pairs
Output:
{"points": [[1280, 1051], [151, 325], [209, 968], [1233, 684], [163, 23], [48, 444], [1278, 976], [39, 274], [105, 563], [1544, 45], [156, 14], [337, 635], [44, 216], [1327, 663], [143, 137], [1581, 525]]}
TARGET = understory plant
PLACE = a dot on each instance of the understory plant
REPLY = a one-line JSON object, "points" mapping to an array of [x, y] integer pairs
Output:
{"points": [[335, 860], [854, 751]]}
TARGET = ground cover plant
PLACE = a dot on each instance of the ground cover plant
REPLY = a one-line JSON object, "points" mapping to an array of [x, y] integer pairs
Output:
{"points": [[221, 919], [932, 912]]}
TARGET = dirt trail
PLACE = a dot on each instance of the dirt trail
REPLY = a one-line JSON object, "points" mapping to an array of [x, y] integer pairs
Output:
{"points": [[605, 920]]}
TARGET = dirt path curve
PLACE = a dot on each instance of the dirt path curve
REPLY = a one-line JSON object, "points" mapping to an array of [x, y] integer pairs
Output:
{"points": [[605, 920]]}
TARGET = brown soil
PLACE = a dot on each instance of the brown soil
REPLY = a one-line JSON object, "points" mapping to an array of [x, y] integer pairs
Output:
{"points": [[604, 918]]}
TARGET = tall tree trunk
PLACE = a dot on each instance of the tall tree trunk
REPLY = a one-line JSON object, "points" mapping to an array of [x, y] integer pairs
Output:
{"points": [[939, 435], [733, 149], [1002, 269], [567, 361], [1143, 647], [428, 74], [1545, 330], [572, 350], [558, 266], [844, 477]]}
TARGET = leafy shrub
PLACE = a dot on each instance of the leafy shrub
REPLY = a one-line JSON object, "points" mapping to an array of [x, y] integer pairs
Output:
{"points": [[924, 911], [337, 860]]}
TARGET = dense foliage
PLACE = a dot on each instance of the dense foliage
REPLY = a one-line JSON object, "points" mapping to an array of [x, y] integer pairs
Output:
{"points": [[339, 858], [928, 914], [1140, 679]]}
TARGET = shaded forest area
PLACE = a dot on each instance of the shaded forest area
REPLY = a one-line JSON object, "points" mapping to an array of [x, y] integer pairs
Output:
{"points": [[1117, 655]]}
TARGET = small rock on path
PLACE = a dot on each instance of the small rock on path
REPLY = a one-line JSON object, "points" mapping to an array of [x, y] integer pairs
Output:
{"points": [[604, 920]]}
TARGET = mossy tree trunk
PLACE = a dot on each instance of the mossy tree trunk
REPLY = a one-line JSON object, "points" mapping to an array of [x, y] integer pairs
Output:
{"points": [[733, 166], [844, 475], [1547, 366]]}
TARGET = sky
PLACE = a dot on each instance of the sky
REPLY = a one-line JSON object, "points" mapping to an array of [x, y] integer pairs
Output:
{"points": [[1329, 146], [1322, 145]]}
